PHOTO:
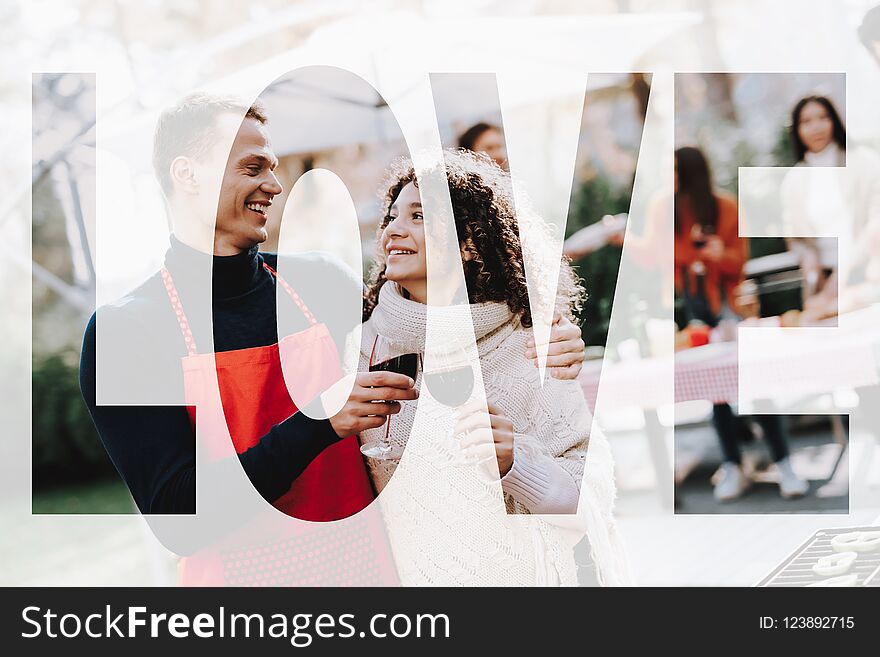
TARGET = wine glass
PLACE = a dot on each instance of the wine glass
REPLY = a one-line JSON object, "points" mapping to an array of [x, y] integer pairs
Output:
{"points": [[451, 378], [700, 235], [386, 356], [451, 382]]}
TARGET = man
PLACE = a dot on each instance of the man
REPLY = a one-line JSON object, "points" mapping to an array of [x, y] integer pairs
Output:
{"points": [[869, 32], [285, 454]]}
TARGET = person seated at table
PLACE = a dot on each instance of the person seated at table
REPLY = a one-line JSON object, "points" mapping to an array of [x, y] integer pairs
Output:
{"points": [[709, 259], [851, 204], [708, 262]]}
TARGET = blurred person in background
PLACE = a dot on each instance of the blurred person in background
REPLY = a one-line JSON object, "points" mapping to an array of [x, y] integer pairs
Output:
{"points": [[708, 259], [869, 32], [489, 139], [485, 138], [849, 206], [709, 255]]}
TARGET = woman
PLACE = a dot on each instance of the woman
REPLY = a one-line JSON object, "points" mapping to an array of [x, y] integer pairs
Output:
{"points": [[709, 255], [485, 138], [540, 435], [709, 258], [848, 206]]}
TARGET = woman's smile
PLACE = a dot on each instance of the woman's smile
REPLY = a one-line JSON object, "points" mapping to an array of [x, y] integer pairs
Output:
{"points": [[399, 252]]}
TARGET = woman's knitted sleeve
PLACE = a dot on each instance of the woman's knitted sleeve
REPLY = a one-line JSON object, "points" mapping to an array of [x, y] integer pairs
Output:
{"points": [[549, 455]]}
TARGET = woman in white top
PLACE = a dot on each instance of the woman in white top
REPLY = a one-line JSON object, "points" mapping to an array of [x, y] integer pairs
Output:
{"points": [[847, 204], [451, 522]]}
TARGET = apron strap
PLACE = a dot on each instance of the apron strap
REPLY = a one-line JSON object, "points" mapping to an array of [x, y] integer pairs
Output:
{"points": [[178, 310], [293, 295], [183, 322]]}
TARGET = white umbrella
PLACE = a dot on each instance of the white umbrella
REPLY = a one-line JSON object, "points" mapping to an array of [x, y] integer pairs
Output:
{"points": [[396, 52]]}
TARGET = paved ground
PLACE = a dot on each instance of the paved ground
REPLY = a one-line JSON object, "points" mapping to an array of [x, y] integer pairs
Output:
{"points": [[813, 454], [705, 543]]}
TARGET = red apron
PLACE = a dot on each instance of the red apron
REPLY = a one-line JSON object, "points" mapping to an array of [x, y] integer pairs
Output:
{"points": [[333, 487]]}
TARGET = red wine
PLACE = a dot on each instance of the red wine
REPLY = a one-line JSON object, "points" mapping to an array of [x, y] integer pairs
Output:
{"points": [[451, 387], [407, 364]]}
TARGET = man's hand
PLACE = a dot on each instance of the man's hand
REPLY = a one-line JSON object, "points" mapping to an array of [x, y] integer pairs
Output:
{"points": [[565, 355], [616, 237], [486, 436], [373, 398]]}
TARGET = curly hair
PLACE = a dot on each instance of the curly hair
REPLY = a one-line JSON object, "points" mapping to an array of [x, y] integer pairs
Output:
{"points": [[488, 233]]}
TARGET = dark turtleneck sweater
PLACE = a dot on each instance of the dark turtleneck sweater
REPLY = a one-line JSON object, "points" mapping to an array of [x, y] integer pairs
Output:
{"points": [[153, 447]]}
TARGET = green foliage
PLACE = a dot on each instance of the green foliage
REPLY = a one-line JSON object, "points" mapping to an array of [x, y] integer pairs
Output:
{"points": [[783, 156], [66, 446], [590, 203], [782, 153], [104, 496]]}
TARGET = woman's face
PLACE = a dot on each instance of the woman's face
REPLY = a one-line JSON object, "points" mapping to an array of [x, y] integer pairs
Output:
{"points": [[815, 127], [403, 242], [491, 142]]}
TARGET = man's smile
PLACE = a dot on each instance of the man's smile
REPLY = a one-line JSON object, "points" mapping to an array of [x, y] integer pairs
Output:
{"points": [[260, 207]]}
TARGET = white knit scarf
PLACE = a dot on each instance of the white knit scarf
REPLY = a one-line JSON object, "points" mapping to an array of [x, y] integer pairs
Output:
{"points": [[405, 321]]}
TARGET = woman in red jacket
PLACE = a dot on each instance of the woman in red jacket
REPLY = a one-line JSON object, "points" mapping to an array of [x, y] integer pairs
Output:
{"points": [[709, 254], [708, 260]]}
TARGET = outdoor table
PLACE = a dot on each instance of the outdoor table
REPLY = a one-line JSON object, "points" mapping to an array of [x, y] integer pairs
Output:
{"points": [[799, 362]]}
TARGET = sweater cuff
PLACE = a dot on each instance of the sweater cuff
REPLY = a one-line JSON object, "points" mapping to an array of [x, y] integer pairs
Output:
{"points": [[540, 484], [528, 480]]}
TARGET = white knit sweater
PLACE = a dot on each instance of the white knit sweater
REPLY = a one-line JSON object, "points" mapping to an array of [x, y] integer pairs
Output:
{"points": [[450, 525], [842, 201]]}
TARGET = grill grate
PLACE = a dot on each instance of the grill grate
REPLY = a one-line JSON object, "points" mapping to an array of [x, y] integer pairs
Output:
{"points": [[797, 568]]}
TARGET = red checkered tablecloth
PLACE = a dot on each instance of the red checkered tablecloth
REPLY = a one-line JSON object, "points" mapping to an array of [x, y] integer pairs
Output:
{"points": [[709, 373], [772, 366]]}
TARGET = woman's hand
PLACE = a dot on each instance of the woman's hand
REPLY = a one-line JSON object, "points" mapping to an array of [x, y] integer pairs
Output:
{"points": [[811, 267], [486, 435], [714, 249], [565, 354], [372, 399]]}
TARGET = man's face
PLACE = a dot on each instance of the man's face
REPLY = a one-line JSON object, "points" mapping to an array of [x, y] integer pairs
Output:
{"points": [[247, 189]]}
